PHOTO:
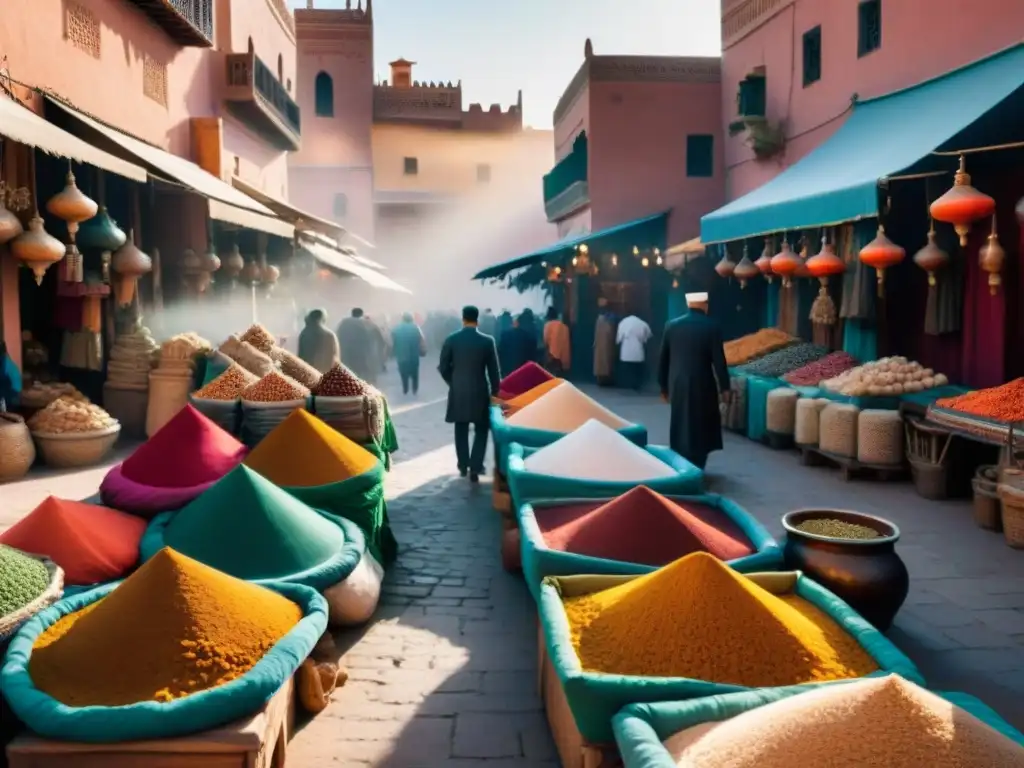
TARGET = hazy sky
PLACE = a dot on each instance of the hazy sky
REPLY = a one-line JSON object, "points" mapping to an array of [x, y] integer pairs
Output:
{"points": [[497, 47]]}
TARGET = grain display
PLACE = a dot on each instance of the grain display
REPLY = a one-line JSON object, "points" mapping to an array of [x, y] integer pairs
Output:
{"points": [[22, 579], [880, 437], [340, 381], [782, 361], [296, 367], [837, 429], [247, 356], [228, 386], [781, 410], [808, 417], [746, 348], [274, 388], [65, 415], [837, 529], [827, 367]]}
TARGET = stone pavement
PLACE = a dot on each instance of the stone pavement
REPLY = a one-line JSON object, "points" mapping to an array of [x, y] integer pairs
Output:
{"points": [[445, 676]]}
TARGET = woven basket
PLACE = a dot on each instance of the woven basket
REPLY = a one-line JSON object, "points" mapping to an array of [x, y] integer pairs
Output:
{"points": [[17, 451], [168, 394], [71, 450], [10, 623], [1011, 494], [987, 510], [129, 406]]}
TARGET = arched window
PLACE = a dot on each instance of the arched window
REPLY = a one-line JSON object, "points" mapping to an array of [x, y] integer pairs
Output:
{"points": [[324, 95]]}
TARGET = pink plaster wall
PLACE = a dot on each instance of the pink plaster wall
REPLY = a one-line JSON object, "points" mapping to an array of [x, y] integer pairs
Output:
{"points": [[313, 189], [917, 44], [637, 145]]}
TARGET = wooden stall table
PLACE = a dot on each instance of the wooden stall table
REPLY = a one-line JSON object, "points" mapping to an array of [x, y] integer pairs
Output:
{"points": [[260, 741]]}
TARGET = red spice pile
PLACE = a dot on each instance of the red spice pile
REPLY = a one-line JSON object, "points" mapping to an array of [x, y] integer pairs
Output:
{"points": [[522, 379], [826, 368], [340, 381], [642, 526]]}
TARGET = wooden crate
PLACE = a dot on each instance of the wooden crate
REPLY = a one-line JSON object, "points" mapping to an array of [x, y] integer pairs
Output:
{"points": [[260, 741], [850, 468], [573, 750]]}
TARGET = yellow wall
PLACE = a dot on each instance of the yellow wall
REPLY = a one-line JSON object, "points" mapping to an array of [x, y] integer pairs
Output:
{"points": [[448, 158]]}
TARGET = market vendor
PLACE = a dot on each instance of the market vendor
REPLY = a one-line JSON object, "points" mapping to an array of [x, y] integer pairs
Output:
{"points": [[691, 374]]}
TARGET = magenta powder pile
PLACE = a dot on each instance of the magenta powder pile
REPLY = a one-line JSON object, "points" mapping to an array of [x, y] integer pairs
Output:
{"points": [[522, 379], [812, 374], [642, 526]]}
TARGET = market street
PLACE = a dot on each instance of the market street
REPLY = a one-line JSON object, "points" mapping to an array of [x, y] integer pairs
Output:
{"points": [[446, 673]]}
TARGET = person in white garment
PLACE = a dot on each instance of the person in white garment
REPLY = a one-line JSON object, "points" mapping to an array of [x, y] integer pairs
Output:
{"points": [[632, 337]]}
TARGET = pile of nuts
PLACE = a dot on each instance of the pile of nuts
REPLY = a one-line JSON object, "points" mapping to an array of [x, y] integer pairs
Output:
{"points": [[339, 381], [885, 377], [260, 338], [275, 388], [228, 386], [40, 395], [296, 367], [65, 415]]}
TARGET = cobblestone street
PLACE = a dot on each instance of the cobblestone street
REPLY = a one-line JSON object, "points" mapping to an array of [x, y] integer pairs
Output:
{"points": [[446, 674]]}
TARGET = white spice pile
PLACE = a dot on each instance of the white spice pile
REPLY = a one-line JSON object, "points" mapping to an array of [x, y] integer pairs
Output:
{"points": [[563, 409], [597, 452]]}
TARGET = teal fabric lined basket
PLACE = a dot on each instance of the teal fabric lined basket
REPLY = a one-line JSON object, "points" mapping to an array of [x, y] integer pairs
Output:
{"points": [[320, 577], [198, 712], [526, 486], [595, 697], [505, 434], [539, 561], [640, 729]]}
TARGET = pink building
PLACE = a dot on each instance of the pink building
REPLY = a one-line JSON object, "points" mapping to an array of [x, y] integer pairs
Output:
{"points": [[637, 136]]}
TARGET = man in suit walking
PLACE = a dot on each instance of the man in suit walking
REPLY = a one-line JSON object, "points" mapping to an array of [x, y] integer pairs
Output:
{"points": [[469, 366]]}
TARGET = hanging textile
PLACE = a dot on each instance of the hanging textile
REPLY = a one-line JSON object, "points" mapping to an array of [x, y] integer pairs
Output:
{"points": [[944, 308], [771, 304], [860, 333]]}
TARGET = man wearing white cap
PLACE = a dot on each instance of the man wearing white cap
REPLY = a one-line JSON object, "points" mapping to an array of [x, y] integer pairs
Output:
{"points": [[691, 373]]}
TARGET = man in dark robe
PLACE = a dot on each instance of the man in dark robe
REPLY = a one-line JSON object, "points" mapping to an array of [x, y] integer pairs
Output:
{"points": [[518, 345], [691, 373], [469, 366], [354, 341]]}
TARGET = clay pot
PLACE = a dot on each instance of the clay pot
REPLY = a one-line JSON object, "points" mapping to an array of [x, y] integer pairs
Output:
{"points": [[866, 573]]}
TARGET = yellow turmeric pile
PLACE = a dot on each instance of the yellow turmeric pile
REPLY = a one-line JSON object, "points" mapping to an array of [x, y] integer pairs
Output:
{"points": [[173, 628], [698, 618]]}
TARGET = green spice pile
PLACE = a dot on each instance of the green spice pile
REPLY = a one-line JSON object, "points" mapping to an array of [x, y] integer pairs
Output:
{"points": [[22, 580], [781, 362], [837, 529]]}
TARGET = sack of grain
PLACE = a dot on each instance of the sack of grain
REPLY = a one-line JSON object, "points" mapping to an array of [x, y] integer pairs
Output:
{"points": [[808, 417], [880, 437], [837, 429], [780, 416], [247, 356]]}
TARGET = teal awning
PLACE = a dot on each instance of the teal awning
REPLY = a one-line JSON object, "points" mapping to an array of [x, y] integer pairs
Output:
{"points": [[885, 136], [645, 233]]}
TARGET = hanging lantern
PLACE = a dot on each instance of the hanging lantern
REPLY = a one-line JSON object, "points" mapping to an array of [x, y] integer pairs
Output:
{"points": [[37, 249], [250, 273], [881, 254], [764, 261], [10, 226], [746, 270], [963, 204], [210, 260], [726, 267], [785, 264], [129, 264], [191, 264], [931, 258], [72, 205], [824, 265], [991, 258], [269, 275], [233, 263], [101, 232]]}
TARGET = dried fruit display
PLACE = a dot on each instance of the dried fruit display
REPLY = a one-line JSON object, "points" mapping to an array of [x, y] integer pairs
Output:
{"points": [[65, 415], [888, 376]]}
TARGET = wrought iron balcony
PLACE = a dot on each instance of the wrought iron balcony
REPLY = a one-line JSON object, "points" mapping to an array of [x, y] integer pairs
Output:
{"points": [[187, 22], [257, 97]]}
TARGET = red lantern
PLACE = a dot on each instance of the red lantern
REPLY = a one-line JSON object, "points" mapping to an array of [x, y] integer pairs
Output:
{"points": [[962, 205], [726, 266], [881, 253], [746, 270], [931, 258], [825, 263], [764, 261], [785, 264], [991, 258]]}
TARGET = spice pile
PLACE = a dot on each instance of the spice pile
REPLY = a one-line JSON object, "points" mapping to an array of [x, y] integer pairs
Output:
{"points": [[1003, 403], [782, 361], [888, 376], [837, 529], [22, 580], [249, 528], [339, 381], [187, 451], [564, 409], [65, 415], [746, 348], [228, 385], [880, 721], [828, 367], [521, 401], [92, 544], [699, 619], [173, 628], [597, 452], [327, 456], [642, 526], [274, 387], [522, 379]]}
